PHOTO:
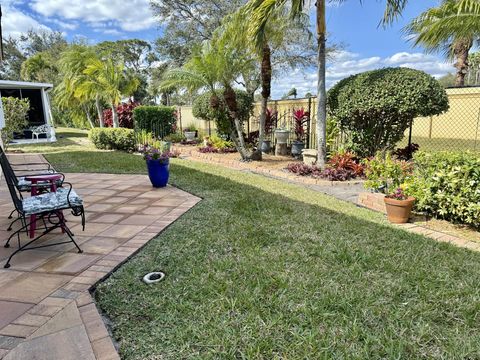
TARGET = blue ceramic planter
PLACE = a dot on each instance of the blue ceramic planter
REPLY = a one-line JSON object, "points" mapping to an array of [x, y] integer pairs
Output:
{"points": [[158, 172]]}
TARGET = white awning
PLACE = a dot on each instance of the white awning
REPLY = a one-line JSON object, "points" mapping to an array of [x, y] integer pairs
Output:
{"points": [[7, 84]]}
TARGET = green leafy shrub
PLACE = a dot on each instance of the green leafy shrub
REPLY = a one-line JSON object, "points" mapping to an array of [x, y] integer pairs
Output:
{"points": [[160, 120], [376, 107], [15, 112], [202, 109], [447, 185], [113, 138], [175, 137], [219, 143], [190, 127], [385, 174]]}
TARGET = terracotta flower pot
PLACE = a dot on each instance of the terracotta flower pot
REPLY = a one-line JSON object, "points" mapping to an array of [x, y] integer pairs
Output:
{"points": [[398, 211]]}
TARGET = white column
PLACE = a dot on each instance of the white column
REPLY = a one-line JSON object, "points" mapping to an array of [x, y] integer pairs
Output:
{"points": [[48, 114]]}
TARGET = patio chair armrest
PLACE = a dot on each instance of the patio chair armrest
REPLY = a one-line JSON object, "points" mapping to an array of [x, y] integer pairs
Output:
{"points": [[48, 166], [68, 194]]}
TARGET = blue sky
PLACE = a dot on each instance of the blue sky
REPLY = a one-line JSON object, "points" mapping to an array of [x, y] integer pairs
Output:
{"points": [[367, 46]]}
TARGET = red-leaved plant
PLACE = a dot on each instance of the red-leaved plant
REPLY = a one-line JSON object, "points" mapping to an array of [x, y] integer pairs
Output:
{"points": [[346, 161], [304, 169], [270, 121], [341, 167], [301, 117], [125, 115]]}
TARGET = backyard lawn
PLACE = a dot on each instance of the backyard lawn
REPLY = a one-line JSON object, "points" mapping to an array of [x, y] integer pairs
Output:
{"points": [[262, 269]]}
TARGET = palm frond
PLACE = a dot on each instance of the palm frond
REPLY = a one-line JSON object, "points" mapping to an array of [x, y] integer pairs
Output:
{"points": [[438, 28]]}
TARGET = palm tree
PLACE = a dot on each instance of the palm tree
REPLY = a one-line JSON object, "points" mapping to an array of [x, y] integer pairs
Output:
{"points": [[215, 67], [73, 63], [452, 28], [65, 99], [109, 79], [235, 30], [263, 10]]}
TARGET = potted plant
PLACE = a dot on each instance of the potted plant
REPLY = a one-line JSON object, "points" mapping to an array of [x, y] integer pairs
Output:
{"points": [[158, 164], [270, 120], [384, 174], [190, 132], [300, 117], [399, 206], [281, 135]]}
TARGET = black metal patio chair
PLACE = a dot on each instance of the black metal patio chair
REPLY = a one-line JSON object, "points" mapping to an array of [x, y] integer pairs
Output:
{"points": [[22, 171], [48, 207]]}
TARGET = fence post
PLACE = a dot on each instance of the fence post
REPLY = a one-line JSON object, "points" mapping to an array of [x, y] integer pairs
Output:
{"points": [[180, 118], [410, 134], [430, 128]]}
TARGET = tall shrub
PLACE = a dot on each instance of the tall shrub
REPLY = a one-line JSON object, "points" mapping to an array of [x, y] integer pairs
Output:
{"points": [[125, 115], [202, 109], [376, 107], [160, 120], [15, 112]]}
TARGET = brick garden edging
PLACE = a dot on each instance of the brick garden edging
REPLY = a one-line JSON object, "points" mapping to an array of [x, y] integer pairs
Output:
{"points": [[256, 167], [374, 201]]}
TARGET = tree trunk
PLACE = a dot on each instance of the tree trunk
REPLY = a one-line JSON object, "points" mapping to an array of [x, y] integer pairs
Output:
{"points": [[89, 118], [266, 74], [99, 111], [115, 116], [237, 134], [461, 48], [321, 88], [164, 99]]}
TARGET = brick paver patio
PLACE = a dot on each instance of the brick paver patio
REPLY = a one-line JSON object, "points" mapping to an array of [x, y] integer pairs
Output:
{"points": [[46, 311]]}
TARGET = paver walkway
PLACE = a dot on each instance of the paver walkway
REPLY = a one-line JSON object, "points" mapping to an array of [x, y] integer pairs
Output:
{"points": [[46, 311]]}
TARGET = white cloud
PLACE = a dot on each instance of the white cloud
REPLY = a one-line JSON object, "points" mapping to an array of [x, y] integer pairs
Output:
{"points": [[346, 63], [15, 22], [133, 15], [63, 24]]}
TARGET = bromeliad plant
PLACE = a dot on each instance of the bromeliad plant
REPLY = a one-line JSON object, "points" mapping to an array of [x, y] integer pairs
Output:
{"points": [[270, 120], [300, 117]]}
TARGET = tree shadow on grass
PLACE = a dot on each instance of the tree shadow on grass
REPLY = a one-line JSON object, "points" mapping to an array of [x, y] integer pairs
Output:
{"points": [[265, 269]]}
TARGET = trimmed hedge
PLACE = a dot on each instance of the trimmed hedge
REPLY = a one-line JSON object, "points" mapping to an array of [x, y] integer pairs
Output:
{"points": [[113, 138], [202, 109], [376, 107], [160, 120], [447, 185]]}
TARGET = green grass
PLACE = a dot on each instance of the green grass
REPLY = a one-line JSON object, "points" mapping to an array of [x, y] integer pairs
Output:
{"points": [[262, 269], [73, 152]]}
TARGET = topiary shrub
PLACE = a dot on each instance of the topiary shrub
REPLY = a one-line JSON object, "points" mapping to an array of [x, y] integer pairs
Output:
{"points": [[113, 138], [160, 120], [447, 185], [376, 107], [202, 109], [15, 112], [125, 115]]}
